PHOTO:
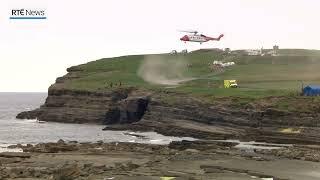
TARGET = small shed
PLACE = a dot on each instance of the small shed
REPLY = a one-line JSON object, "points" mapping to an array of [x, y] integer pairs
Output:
{"points": [[311, 90]]}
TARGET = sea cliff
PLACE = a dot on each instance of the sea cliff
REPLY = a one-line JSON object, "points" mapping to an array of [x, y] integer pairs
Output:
{"points": [[109, 91]]}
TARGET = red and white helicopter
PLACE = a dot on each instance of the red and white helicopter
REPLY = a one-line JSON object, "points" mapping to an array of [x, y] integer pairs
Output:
{"points": [[193, 36]]}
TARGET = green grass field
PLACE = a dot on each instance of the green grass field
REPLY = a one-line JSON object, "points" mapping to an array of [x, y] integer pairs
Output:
{"points": [[257, 76]]}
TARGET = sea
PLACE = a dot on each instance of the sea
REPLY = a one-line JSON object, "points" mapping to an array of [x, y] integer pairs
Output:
{"points": [[17, 131]]}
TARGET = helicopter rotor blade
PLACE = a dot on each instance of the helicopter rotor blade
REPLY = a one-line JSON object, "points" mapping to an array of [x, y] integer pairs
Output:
{"points": [[189, 31]]}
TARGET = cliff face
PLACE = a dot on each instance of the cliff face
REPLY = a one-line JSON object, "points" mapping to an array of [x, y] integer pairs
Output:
{"points": [[125, 109], [75, 106], [131, 109]]}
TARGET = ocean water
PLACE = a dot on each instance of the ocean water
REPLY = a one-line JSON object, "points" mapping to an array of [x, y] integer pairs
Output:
{"points": [[13, 131]]}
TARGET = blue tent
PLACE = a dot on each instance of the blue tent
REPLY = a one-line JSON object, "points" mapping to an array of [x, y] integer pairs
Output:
{"points": [[311, 90]]}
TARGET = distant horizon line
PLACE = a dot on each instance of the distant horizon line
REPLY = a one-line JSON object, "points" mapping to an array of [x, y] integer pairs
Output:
{"points": [[205, 48]]}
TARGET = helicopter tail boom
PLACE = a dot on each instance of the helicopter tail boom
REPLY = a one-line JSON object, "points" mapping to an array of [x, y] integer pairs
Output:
{"points": [[216, 39]]}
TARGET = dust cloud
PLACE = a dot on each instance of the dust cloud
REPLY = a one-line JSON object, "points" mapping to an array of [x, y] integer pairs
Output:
{"points": [[163, 71]]}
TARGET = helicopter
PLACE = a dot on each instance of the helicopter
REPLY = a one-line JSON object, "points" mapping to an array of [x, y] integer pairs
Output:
{"points": [[193, 36]]}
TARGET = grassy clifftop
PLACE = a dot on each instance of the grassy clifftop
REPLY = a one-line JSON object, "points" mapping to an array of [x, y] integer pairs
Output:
{"points": [[257, 76]]}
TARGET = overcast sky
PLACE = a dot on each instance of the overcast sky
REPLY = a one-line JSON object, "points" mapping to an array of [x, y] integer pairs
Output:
{"points": [[34, 52]]}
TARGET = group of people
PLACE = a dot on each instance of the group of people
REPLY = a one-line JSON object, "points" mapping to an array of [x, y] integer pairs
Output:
{"points": [[111, 84]]}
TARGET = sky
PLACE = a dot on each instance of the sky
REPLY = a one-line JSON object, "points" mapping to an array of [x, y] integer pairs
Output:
{"points": [[33, 53]]}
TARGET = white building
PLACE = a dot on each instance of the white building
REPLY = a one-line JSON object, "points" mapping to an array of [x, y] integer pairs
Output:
{"points": [[223, 64], [254, 52]]}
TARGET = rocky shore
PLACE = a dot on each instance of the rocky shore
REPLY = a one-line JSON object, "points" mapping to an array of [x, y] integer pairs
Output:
{"points": [[181, 160]]}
